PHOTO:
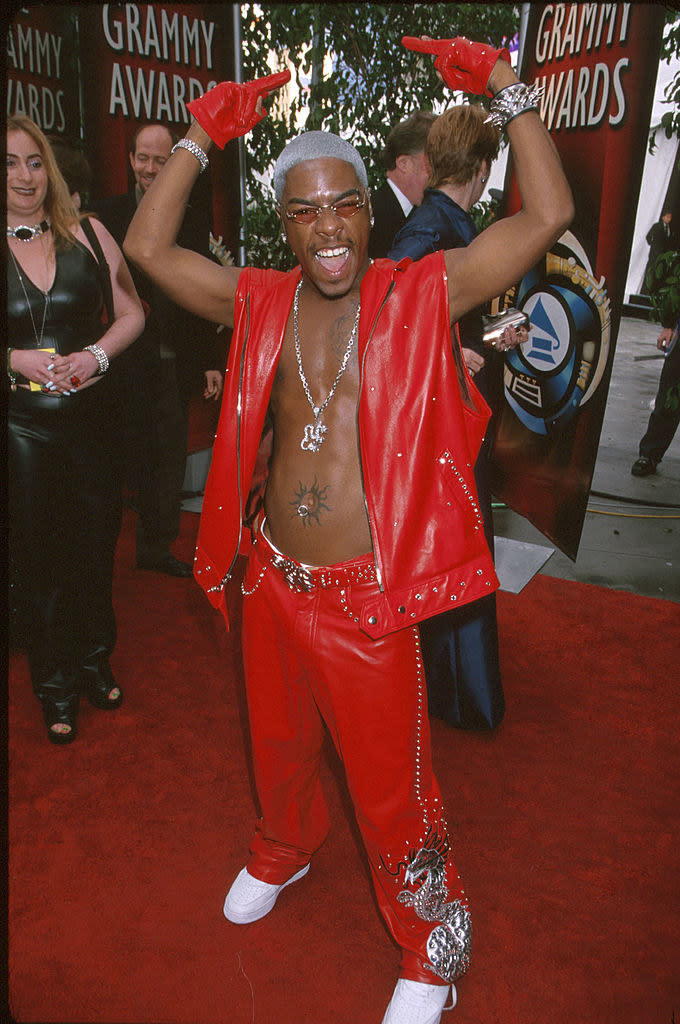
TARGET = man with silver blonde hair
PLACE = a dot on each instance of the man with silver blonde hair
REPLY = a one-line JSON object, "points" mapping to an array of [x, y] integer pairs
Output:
{"points": [[370, 520], [316, 146]]}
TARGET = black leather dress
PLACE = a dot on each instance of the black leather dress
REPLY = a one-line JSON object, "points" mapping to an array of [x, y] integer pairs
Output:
{"points": [[64, 487]]}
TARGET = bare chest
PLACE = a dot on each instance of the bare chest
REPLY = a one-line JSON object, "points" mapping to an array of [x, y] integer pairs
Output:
{"points": [[317, 376], [314, 500]]}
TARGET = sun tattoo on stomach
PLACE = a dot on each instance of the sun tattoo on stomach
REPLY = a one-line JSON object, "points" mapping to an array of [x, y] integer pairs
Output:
{"points": [[309, 502]]}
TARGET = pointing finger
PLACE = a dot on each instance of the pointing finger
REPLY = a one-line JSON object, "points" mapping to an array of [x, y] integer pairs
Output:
{"points": [[263, 86], [426, 45]]}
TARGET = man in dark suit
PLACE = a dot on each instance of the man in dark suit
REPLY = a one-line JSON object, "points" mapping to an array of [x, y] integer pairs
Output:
{"points": [[660, 238], [157, 374], [407, 175], [665, 417]]}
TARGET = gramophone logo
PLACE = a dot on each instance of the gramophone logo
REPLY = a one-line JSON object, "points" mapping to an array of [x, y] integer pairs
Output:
{"points": [[550, 378]]}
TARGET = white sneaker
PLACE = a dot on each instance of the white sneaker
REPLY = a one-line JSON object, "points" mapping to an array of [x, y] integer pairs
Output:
{"points": [[416, 1002], [249, 899]]}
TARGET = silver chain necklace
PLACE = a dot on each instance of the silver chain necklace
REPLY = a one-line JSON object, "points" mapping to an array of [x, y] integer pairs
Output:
{"points": [[314, 432], [38, 337]]}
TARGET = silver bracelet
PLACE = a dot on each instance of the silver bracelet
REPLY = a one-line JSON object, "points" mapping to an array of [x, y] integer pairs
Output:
{"points": [[101, 357], [10, 372], [194, 149], [12, 378], [511, 102]]}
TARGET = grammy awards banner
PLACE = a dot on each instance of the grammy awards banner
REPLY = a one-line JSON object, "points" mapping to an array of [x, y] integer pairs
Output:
{"points": [[94, 73], [143, 63], [597, 64], [41, 68]]}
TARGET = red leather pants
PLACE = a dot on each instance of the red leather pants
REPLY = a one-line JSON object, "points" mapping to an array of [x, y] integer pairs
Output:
{"points": [[307, 663]]}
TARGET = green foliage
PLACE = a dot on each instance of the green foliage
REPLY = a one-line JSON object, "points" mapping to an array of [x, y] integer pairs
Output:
{"points": [[483, 213], [670, 49], [663, 284], [372, 84]]}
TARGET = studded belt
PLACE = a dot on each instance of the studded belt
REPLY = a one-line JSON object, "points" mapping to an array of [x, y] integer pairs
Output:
{"points": [[303, 578]]}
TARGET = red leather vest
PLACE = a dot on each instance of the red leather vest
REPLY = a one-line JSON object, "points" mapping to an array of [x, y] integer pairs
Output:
{"points": [[418, 437]]}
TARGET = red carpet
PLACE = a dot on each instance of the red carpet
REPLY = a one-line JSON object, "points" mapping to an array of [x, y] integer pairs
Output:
{"points": [[203, 418], [122, 845]]}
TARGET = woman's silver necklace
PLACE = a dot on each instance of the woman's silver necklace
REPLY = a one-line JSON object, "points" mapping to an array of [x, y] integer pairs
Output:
{"points": [[314, 432], [38, 337]]}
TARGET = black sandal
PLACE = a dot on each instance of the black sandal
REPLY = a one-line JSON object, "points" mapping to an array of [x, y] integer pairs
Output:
{"points": [[64, 713], [99, 686]]}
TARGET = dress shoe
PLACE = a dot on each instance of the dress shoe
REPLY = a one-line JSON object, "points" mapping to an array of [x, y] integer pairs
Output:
{"points": [[416, 1002], [644, 466], [249, 899], [169, 565]]}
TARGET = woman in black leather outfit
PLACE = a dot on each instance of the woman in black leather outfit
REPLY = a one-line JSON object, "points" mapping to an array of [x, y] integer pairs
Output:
{"points": [[64, 486]]}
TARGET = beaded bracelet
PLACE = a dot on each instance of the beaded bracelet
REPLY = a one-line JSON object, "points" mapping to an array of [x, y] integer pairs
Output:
{"points": [[101, 357], [194, 149], [512, 101], [10, 372]]}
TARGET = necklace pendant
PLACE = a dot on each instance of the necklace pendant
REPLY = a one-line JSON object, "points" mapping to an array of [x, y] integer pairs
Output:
{"points": [[313, 439], [314, 432]]}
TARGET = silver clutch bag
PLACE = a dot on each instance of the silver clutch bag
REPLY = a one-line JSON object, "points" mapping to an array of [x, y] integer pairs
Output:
{"points": [[494, 324]]}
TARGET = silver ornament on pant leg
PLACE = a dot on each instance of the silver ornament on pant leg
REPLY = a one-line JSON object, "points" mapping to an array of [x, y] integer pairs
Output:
{"points": [[448, 945]]}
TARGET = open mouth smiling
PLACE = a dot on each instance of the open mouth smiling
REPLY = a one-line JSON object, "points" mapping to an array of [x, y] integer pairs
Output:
{"points": [[333, 258]]}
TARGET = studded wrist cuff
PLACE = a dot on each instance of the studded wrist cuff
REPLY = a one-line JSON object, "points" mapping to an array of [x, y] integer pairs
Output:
{"points": [[512, 101]]}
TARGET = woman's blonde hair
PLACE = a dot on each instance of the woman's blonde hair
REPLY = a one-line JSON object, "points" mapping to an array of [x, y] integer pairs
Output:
{"points": [[457, 143], [59, 206]]}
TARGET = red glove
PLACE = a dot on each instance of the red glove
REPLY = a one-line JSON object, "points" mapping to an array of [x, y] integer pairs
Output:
{"points": [[461, 63], [229, 110]]}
